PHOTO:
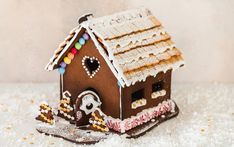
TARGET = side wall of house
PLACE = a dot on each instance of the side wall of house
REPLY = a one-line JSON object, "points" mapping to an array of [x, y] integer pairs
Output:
{"points": [[127, 92], [76, 80]]}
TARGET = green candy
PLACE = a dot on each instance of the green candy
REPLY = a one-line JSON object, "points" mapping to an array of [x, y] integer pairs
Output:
{"points": [[77, 45]]}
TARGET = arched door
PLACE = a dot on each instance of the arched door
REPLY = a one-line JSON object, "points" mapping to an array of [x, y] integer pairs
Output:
{"points": [[86, 103]]}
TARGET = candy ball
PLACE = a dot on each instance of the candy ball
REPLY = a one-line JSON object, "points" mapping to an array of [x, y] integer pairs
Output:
{"points": [[85, 36], [61, 70], [77, 45], [67, 60], [70, 55], [63, 65], [73, 51], [82, 41]]}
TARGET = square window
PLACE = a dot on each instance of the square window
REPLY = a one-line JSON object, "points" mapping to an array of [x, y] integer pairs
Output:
{"points": [[138, 99], [158, 90], [158, 86], [139, 94]]}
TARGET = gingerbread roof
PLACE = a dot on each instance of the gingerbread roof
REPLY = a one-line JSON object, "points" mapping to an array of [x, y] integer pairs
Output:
{"points": [[137, 45]]}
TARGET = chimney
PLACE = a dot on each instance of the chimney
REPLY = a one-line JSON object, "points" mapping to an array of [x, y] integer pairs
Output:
{"points": [[84, 18]]}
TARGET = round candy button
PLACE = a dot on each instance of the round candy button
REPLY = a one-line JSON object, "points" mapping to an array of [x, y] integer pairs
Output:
{"points": [[70, 56], [85, 36], [67, 60], [62, 64], [61, 70], [82, 41], [73, 51], [77, 45]]}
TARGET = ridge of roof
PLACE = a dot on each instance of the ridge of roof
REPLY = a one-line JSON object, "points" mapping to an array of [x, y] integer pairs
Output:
{"points": [[130, 37]]}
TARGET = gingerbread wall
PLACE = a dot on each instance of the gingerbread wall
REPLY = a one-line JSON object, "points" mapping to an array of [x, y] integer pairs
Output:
{"points": [[76, 80], [127, 111]]}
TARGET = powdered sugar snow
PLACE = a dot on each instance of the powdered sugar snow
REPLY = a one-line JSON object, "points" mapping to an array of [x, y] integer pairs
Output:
{"points": [[206, 117]]}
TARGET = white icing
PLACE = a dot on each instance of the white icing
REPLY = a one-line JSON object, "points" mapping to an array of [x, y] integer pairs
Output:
{"points": [[89, 99], [121, 24], [44, 111], [133, 40], [102, 52], [143, 52], [67, 115], [129, 27], [95, 122], [138, 103], [66, 92], [157, 94], [119, 18], [131, 79], [120, 103], [88, 92], [91, 75], [148, 60]]}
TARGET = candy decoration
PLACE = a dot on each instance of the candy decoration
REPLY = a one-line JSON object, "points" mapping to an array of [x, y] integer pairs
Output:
{"points": [[61, 70], [78, 115], [73, 51], [82, 41], [157, 94], [78, 46], [138, 103], [85, 36], [66, 109], [142, 117], [119, 84], [63, 65], [91, 65], [70, 56], [67, 60], [97, 122], [46, 114]]}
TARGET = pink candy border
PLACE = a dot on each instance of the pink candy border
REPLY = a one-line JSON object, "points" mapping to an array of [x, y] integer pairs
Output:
{"points": [[142, 117]]}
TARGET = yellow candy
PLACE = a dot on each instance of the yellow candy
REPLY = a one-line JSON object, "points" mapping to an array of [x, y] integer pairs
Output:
{"points": [[67, 60]]}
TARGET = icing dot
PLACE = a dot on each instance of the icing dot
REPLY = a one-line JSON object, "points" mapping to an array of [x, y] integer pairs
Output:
{"points": [[61, 70], [82, 41], [86, 36], [67, 60], [70, 56], [73, 51], [62, 64], [78, 45]]}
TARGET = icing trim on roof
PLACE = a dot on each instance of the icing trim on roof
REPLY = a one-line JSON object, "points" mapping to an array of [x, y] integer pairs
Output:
{"points": [[134, 40]]}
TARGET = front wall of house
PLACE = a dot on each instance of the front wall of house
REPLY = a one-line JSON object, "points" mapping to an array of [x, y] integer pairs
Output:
{"points": [[76, 80], [127, 111]]}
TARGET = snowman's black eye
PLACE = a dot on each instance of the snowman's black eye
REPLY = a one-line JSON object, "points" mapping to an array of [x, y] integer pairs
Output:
{"points": [[89, 106]]}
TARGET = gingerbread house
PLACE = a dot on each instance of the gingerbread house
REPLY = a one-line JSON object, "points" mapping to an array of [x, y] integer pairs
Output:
{"points": [[122, 64]]}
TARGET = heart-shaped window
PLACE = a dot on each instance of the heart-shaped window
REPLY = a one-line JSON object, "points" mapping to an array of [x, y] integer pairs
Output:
{"points": [[91, 65]]}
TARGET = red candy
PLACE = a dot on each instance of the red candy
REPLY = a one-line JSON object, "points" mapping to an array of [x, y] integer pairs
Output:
{"points": [[73, 51]]}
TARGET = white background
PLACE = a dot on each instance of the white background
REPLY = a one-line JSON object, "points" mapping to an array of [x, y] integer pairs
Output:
{"points": [[31, 30]]}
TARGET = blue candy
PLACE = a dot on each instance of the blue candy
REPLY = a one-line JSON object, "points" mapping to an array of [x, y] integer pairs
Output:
{"points": [[82, 41], [61, 70], [119, 84]]}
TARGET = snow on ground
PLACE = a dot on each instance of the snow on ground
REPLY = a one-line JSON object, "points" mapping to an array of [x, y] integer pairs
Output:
{"points": [[206, 117]]}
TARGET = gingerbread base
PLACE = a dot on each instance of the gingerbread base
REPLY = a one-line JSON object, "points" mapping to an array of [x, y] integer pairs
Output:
{"points": [[72, 133]]}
